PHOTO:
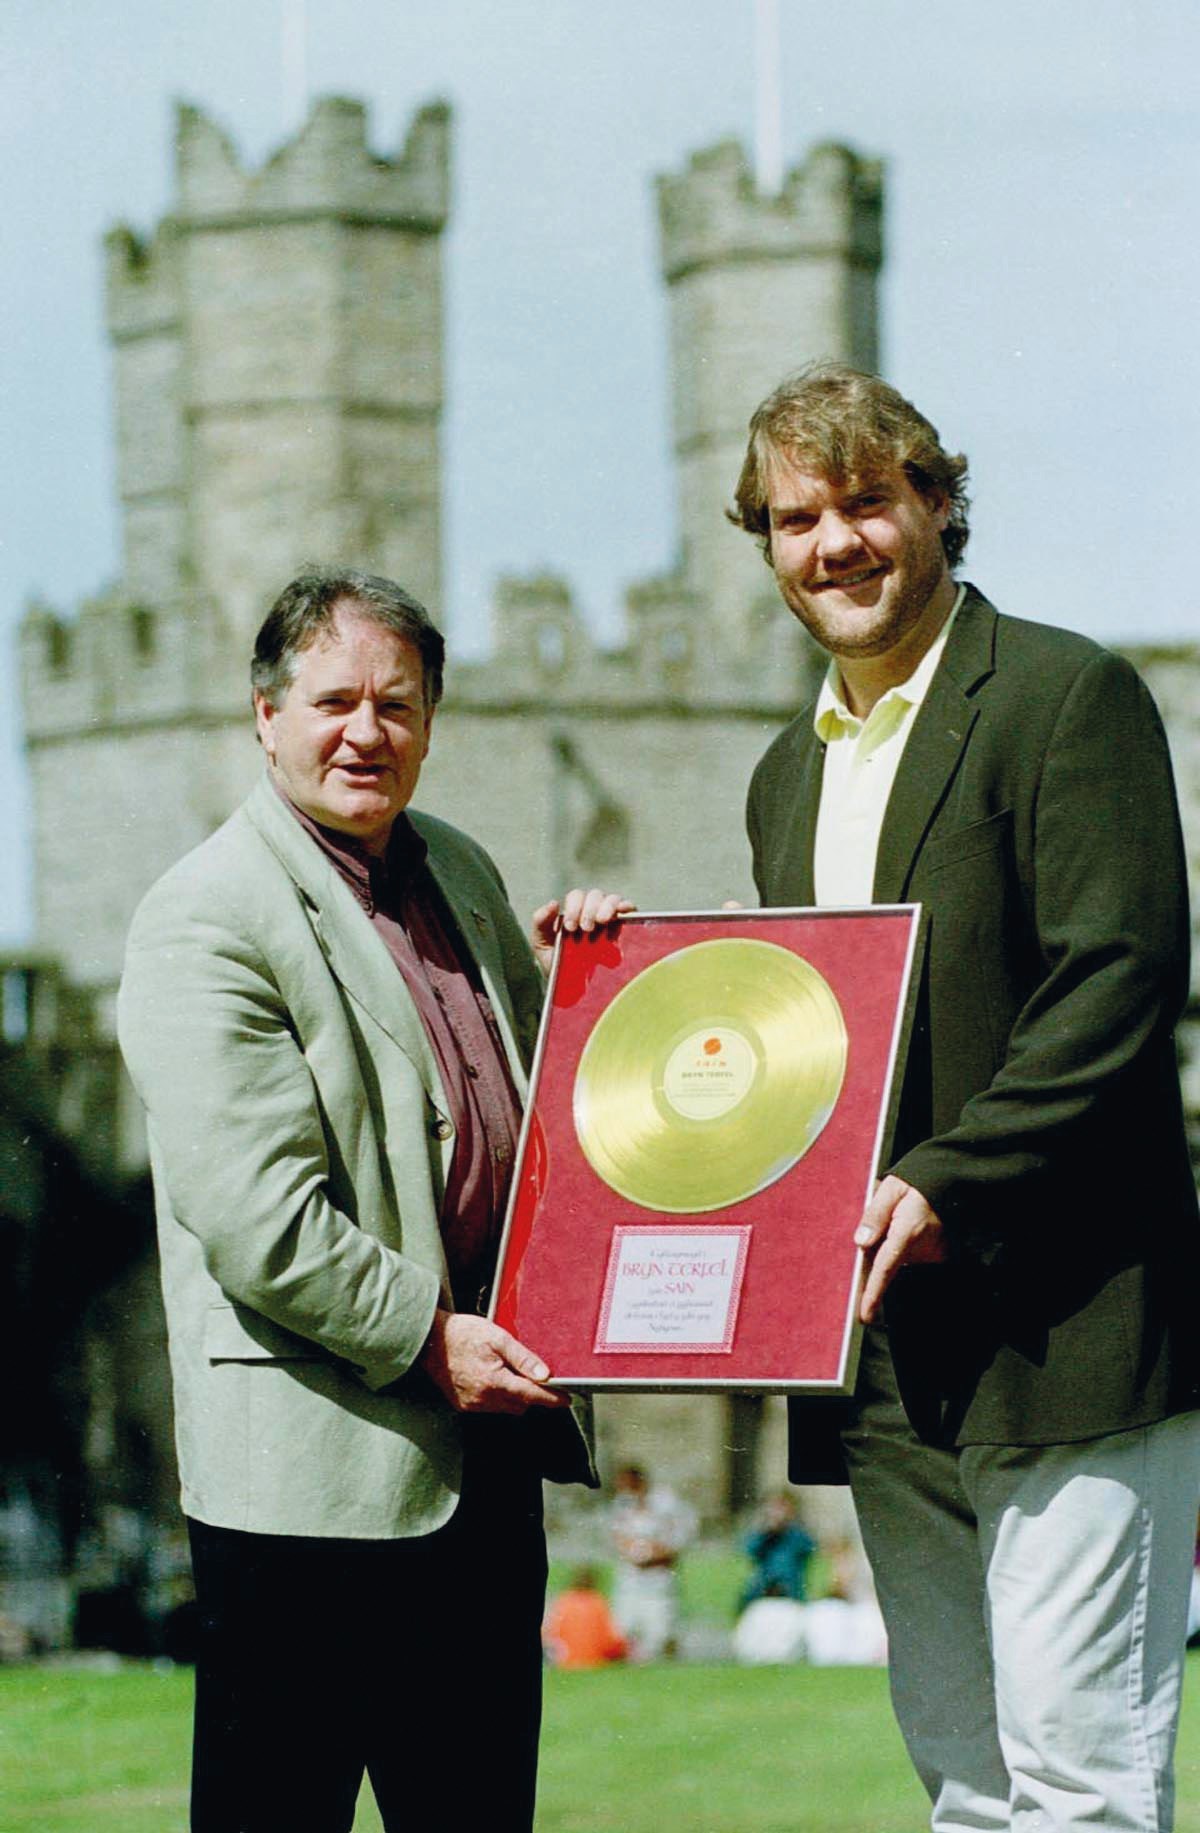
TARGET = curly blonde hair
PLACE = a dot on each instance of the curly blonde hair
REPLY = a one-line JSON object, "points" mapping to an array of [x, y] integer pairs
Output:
{"points": [[844, 425]]}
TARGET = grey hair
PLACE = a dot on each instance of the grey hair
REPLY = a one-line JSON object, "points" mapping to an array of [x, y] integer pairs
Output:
{"points": [[308, 606]]}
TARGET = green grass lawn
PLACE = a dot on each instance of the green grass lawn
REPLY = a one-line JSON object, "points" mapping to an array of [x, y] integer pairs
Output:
{"points": [[705, 1749]]}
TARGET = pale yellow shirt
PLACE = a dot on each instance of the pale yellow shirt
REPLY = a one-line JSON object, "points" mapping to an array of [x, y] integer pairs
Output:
{"points": [[862, 757]]}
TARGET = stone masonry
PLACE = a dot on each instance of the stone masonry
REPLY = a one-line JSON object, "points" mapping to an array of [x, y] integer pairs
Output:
{"points": [[277, 356]]}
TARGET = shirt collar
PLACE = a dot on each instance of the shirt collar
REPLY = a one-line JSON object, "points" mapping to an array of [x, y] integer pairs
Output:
{"points": [[832, 718], [371, 880]]}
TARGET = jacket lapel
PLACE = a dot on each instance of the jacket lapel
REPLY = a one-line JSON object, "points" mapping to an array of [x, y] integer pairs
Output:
{"points": [[477, 929], [356, 955], [788, 849], [935, 745]]}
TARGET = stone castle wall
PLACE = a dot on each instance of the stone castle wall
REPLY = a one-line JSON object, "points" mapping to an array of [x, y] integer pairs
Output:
{"points": [[278, 383], [277, 357]]}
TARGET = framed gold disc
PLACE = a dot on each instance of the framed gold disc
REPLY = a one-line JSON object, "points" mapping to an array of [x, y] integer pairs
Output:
{"points": [[709, 1075]]}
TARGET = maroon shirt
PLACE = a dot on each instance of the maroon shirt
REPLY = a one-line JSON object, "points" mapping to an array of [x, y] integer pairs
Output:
{"points": [[400, 898]]}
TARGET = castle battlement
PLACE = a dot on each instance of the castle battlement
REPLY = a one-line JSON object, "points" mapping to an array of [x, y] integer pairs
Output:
{"points": [[545, 656], [328, 168], [119, 664], [124, 666], [712, 213], [141, 281], [666, 624]]}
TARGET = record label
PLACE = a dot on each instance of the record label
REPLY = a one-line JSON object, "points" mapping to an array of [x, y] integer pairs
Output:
{"points": [[709, 1073]]}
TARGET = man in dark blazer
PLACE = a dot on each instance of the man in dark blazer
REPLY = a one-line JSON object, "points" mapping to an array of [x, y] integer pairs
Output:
{"points": [[1023, 1445]]}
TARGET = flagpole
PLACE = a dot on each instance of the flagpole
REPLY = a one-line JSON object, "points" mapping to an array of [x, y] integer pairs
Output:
{"points": [[768, 99], [294, 60]]}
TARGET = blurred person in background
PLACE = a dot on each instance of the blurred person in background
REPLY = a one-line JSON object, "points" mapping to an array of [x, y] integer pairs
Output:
{"points": [[780, 1551], [579, 1631], [650, 1527]]}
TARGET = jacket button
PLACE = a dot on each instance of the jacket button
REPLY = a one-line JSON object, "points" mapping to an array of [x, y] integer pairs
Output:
{"points": [[442, 1128]]}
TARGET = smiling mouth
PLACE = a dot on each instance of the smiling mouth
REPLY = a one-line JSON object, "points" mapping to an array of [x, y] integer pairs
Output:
{"points": [[847, 582]]}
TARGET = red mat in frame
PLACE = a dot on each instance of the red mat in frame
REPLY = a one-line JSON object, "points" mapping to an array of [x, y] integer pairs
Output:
{"points": [[791, 1317]]}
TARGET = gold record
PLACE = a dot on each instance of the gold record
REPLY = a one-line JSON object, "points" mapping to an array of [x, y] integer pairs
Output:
{"points": [[709, 1075]]}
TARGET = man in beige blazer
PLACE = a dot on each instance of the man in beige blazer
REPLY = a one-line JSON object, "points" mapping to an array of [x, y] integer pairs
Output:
{"points": [[328, 1010]]}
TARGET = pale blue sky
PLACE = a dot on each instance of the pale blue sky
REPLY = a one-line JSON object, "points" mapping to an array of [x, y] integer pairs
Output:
{"points": [[1040, 300]]}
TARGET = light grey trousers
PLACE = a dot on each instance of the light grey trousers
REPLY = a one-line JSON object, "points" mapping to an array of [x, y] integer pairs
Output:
{"points": [[1036, 1602]]}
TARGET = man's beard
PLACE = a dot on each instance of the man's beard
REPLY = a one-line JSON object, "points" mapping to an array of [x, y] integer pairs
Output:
{"points": [[868, 630]]}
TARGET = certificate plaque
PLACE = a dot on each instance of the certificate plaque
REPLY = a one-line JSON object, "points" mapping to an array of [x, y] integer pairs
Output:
{"points": [[672, 1290], [709, 1100]]}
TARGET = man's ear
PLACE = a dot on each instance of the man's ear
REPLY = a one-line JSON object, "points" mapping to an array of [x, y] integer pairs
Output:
{"points": [[429, 713], [264, 720], [936, 500]]}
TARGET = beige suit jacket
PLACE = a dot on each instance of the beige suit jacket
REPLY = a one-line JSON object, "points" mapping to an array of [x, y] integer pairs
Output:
{"points": [[299, 1141]]}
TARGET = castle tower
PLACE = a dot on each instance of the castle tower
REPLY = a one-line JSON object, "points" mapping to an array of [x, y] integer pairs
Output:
{"points": [[277, 351], [758, 286], [278, 363]]}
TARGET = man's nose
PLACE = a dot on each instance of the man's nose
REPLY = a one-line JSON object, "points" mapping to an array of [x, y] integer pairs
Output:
{"points": [[836, 535], [363, 728]]}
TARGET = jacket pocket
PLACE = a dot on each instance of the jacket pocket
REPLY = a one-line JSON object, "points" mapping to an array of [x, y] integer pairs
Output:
{"points": [[234, 1333], [986, 836]]}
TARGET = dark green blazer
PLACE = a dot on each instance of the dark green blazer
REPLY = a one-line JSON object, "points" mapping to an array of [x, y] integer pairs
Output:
{"points": [[1034, 817]]}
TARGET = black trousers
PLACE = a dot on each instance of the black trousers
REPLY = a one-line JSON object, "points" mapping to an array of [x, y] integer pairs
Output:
{"points": [[418, 1661]]}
